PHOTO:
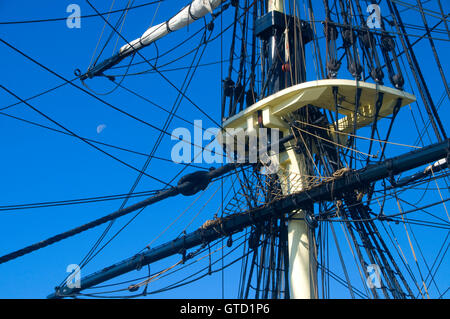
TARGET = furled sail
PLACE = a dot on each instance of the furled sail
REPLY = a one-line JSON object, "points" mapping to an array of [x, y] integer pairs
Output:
{"points": [[195, 10]]}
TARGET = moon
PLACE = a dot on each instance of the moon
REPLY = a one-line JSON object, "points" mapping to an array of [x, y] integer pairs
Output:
{"points": [[100, 128]]}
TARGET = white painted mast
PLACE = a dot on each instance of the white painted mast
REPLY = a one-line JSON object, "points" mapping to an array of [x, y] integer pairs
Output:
{"points": [[302, 273], [302, 264]]}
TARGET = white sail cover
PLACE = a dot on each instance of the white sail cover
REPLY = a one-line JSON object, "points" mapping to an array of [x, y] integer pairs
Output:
{"points": [[196, 10]]}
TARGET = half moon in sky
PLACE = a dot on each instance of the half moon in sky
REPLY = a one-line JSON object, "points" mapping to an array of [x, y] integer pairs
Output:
{"points": [[100, 128]]}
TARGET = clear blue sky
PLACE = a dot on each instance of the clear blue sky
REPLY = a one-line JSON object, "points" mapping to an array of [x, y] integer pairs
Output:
{"points": [[38, 165]]}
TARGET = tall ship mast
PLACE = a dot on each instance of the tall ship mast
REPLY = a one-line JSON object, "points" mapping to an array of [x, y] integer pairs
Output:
{"points": [[325, 174]]}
